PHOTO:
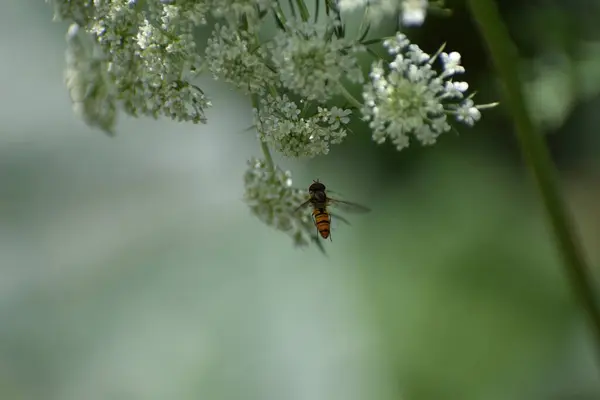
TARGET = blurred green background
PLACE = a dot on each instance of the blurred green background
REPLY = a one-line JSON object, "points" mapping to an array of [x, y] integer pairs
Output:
{"points": [[131, 269]]}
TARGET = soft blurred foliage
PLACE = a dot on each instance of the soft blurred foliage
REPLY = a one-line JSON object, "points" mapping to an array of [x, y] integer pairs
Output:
{"points": [[131, 269]]}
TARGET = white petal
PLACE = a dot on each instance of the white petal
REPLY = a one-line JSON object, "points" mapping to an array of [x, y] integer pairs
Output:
{"points": [[413, 12]]}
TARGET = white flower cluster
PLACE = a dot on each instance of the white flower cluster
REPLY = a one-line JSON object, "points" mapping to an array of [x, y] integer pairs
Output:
{"points": [[280, 124], [193, 11], [412, 12], [407, 96], [88, 82], [150, 55], [311, 61], [271, 197], [236, 57]]}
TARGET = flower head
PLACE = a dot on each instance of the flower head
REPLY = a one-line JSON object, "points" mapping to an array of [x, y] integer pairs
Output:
{"points": [[311, 62], [235, 56], [93, 95], [407, 96], [271, 197], [148, 57], [175, 11], [280, 123]]}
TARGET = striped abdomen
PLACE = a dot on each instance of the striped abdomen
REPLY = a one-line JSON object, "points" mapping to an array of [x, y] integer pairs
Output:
{"points": [[322, 221]]}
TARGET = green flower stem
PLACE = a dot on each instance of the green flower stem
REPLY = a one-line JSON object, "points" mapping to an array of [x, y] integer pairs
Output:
{"points": [[363, 21], [267, 153], [376, 40], [264, 147], [292, 9], [304, 14], [279, 14], [351, 99], [537, 156]]}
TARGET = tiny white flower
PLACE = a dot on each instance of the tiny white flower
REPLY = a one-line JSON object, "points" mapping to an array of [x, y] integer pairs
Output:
{"points": [[468, 113], [338, 116], [413, 12], [451, 63]]}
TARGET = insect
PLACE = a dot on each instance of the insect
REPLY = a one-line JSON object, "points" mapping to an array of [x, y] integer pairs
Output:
{"points": [[320, 201]]}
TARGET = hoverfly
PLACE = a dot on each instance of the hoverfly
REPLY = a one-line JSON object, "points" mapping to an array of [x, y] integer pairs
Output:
{"points": [[320, 201]]}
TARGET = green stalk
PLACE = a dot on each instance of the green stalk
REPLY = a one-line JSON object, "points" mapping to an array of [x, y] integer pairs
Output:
{"points": [[537, 157], [279, 14], [267, 153], [348, 96], [264, 147], [304, 13]]}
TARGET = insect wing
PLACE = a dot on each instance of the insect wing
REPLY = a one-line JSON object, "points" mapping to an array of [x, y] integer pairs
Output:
{"points": [[303, 205], [336, 217], [348, 206]]}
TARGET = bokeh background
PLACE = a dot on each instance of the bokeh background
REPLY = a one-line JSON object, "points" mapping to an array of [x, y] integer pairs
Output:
{"points": [[130, 268]]}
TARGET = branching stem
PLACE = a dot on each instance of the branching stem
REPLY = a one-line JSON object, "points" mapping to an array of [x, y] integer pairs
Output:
{"points": [[348, 96]]}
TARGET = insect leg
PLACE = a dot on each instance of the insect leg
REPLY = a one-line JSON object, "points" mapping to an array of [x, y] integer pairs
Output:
{"points": [[340, 218]]}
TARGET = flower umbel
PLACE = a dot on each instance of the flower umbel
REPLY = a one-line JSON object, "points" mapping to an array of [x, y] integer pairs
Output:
{"points": [[271, 197], [237, 58], [407, 96], [148, 52], [312, 62], [280, 123], [91, 91]]}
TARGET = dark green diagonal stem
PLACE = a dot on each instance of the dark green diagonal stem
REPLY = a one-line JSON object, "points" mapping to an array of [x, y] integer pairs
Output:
{"points": [[537, 156]]}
